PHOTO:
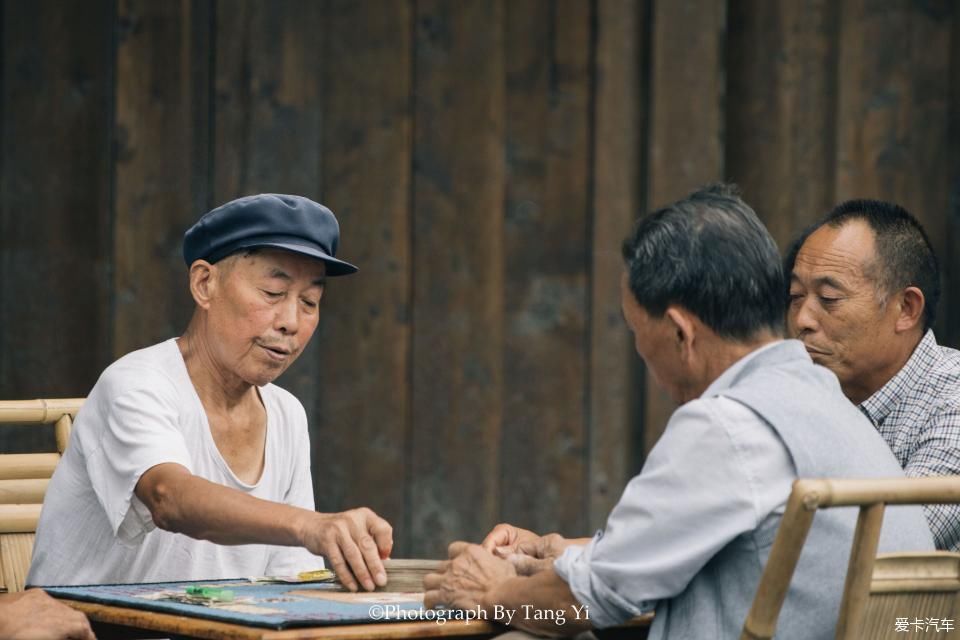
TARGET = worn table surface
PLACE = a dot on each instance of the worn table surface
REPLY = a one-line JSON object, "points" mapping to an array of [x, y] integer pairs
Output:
{"points": [[112, 622], [128, 622]]}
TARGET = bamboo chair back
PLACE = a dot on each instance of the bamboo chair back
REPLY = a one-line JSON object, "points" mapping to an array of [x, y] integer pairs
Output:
{"points": [[23, 482], [877, 591]]}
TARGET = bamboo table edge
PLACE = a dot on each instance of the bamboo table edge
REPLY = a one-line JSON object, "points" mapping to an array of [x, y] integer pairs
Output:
{"points": [[142, 620]]}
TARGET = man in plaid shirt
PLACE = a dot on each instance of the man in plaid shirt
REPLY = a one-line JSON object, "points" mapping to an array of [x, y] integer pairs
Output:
{"points": [[863, 291]]}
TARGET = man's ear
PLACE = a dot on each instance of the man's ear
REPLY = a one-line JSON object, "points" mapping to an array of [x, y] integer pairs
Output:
{"points": [[682, 328], [203, 282], [912, 304]]}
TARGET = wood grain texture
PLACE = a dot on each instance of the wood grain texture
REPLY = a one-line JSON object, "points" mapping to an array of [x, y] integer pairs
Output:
{"points": [[15, 552], [781, 108], [949, 312], [685, 126], [268, 97], [133, 620], [364, 388], [161, 156], [268, 123], [55, 223], [615, 386], [486, 159], [546, 249], [457, 353], [893, 108]]}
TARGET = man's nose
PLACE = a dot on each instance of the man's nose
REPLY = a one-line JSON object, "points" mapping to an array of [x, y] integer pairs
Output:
{"points": [[802, 317], [287, 320]]}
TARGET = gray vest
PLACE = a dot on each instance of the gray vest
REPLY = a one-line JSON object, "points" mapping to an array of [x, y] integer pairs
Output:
{"points": [[827, 437]]}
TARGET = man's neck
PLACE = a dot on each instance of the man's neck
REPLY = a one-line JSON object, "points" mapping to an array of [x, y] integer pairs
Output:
{"points": [[721, 354], [218, 388]]}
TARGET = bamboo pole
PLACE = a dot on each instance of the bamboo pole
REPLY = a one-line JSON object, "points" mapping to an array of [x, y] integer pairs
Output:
{"points": [[863, 553], [772, 590], [23, 491], [849, 492], [62, 431], [19, 518], [42, 411], [17, 466]]}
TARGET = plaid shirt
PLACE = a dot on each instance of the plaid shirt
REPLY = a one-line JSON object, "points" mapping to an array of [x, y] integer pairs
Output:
{"points": [[918, 413]]}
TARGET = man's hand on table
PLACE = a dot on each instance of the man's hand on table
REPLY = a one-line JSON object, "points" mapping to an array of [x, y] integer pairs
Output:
{"points": [[467, 579], [537, 555], [33, 615], [474, 579], [506, 537], [528, 552], [354, 542]]}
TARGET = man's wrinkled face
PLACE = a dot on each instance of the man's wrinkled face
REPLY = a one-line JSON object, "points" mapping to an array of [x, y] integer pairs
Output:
{"points": [[264, 311], [835, 304]]}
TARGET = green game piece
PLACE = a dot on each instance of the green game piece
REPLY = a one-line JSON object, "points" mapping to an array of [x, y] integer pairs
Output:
{"points": [[211, 593]]}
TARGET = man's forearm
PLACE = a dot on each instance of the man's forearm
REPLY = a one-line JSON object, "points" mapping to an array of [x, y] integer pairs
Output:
{"points": [[354, 542], [183, 503], [542, 604]]}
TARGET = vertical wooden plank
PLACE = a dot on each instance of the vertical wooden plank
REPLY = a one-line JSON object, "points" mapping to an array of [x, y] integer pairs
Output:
{"points": [[458, 272], [949, 311], [162, 104], [4, 40], [232, 96], [267, 114], [54, 200], [546, 246], [615, 389], [363, 414], [781, 108], [685, 126], [893, 108], [268, 102]]}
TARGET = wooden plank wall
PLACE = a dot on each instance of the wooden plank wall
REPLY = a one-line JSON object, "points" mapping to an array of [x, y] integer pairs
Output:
{"points": [[56, 214], [485, 158]]}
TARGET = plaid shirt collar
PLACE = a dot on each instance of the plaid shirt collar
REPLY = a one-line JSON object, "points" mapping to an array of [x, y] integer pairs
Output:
{"points": [[878, 406]]}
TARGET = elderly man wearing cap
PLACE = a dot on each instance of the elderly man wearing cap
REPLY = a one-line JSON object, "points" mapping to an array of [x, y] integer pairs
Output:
{"points": [[190, 437]]}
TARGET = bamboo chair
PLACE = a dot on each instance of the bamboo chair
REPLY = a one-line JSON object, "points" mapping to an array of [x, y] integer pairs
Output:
{"points": [[23, 482], [877, 591], [924, 585]]}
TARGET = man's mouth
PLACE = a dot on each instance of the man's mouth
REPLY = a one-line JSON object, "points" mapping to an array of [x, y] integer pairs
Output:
{"points": [[276, 351], [813, 351]]}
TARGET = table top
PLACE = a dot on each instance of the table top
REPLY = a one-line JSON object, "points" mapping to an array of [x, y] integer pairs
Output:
{"points": [[133, 620]]}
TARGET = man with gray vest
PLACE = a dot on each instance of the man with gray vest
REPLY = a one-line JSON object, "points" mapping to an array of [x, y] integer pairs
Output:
{"points": [[691, 534]]}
